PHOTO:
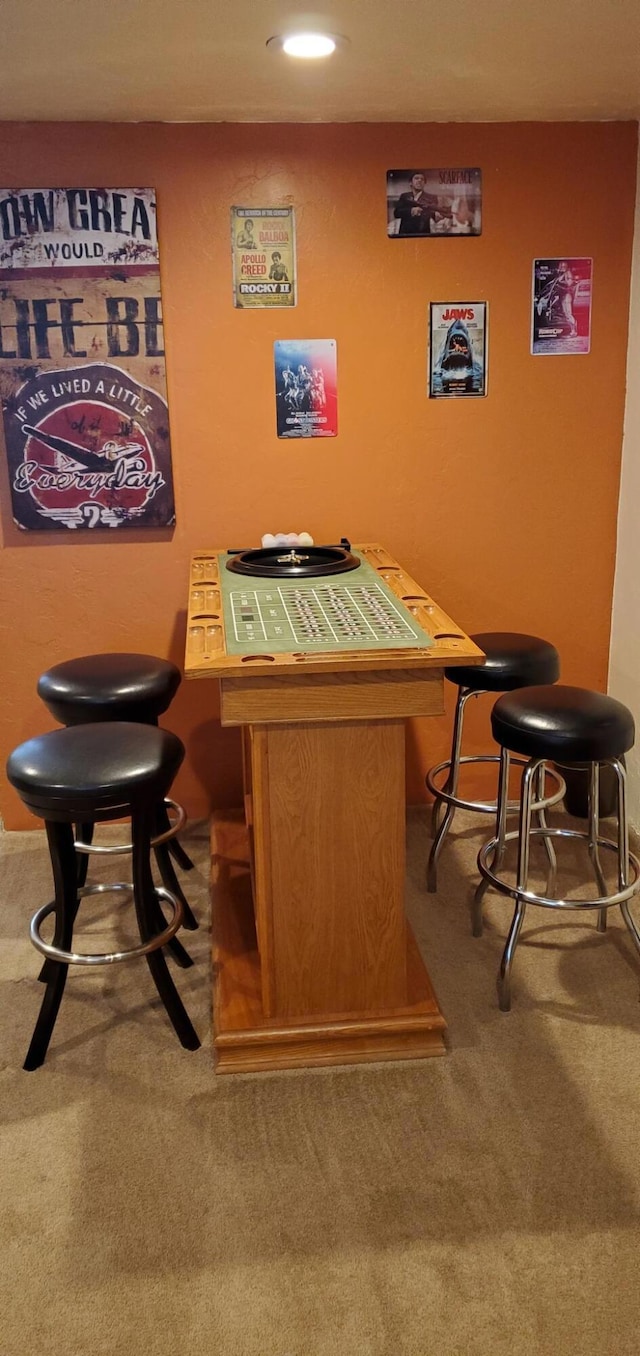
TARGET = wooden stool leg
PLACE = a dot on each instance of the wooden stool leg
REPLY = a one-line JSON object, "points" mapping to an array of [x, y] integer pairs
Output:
{"points": [[146, 912], [173, 846], [84, 832], [63, 861], [181, 857], [165, 867], [178, 951]]}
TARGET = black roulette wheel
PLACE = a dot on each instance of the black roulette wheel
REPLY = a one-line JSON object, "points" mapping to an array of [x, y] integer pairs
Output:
{"points": [[293, 562]]}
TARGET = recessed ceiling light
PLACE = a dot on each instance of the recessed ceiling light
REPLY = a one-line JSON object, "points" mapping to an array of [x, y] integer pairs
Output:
{"points": [[309, 46]]}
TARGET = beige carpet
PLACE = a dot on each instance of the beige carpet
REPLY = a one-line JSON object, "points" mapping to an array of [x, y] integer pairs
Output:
{"points": [[484, 1203]]}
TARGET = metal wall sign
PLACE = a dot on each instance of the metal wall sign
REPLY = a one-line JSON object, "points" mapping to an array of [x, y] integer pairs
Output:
{"points": [[82, 368], [263, 249], [424, 202], [561, 306], [458, 348], [306, 381]]}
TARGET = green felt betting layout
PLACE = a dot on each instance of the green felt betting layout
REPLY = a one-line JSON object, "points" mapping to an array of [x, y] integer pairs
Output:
{"points": [[353, 611]]}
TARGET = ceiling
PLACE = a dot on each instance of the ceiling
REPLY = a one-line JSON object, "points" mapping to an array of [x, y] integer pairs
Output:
{"points": [[405, 61]]}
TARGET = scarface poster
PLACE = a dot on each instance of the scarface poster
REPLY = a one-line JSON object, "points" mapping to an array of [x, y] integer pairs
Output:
{"points": [[82, 368]]}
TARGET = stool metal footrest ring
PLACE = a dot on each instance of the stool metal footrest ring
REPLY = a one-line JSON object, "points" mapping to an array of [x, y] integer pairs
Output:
{"points": [[530, 896], [489, 807], [113, 850], [114, 957]]}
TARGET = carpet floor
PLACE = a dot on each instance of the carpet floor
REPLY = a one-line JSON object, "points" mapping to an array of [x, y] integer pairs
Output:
{"points": [[486, 1203]]}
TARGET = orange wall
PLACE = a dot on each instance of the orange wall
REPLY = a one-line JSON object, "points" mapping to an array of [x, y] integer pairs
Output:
{"points": [[504, 508]]}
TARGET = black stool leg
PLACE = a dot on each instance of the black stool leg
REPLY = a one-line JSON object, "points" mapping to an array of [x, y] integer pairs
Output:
{"points": [[180, 954], [167, 873], [63, 861], [84, 832], [173, 846], [146, 912]]}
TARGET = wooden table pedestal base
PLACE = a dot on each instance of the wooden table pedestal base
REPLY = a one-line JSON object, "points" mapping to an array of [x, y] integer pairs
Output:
{"points": [[247, 1041]]}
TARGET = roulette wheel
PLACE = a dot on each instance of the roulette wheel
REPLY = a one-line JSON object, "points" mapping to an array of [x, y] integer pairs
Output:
{"points": [[296, 562]]}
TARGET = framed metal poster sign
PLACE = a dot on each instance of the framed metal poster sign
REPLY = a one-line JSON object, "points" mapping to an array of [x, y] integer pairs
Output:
{"points": [[263, 248], [458, 348], [561, 306], [423, 202], [82, 369], [306, 388]]}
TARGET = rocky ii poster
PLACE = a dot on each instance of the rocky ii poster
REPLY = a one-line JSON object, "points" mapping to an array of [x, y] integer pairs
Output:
{"points": [[82, 367]]}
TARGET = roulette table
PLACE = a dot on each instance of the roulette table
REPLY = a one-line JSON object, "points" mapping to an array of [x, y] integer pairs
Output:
{"points": [[314, 961]]}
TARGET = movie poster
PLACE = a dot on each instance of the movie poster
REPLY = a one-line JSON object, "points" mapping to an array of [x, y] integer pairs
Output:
{"points": [[458, 348], [263, 248], [561, 306], [424, 202], [306, 388], [82, 369]]}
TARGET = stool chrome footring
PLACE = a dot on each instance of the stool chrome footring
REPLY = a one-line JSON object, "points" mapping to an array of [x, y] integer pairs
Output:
{"points": [[114, 850], [547, 902], [55, 953], [489, 807]]}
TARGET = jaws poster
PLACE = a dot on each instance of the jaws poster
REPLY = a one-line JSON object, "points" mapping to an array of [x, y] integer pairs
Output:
{"points": [[458, 348], [82, 365]]}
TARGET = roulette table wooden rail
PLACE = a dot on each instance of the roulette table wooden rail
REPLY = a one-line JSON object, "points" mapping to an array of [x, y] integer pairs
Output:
{"points": [[314, 961]]}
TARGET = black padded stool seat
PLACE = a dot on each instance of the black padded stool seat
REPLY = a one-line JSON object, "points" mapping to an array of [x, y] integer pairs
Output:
{"points": [[84, 775], [94, 767], [135, 687], [569, 724], [512, 660]]}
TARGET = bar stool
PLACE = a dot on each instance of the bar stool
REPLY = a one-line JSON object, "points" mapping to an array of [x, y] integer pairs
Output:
{"points": [[92, 774], [128, 687], [511, 661], [574, 726]]}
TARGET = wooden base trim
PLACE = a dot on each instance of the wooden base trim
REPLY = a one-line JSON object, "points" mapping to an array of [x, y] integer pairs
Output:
{"points": [[309, 1055], [247, 1041]]}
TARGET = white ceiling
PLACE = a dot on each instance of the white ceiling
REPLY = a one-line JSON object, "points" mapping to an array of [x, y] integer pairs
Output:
{"points": [[406, 61]]}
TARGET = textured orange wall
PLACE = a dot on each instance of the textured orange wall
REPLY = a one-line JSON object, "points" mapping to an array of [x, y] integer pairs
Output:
{"points": [[504, 508]]}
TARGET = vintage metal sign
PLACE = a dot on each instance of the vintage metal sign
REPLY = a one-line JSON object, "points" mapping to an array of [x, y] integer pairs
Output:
{"points": [[306, 388], [263, 248], [561, 306], [82, 371], [458, 348]]}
